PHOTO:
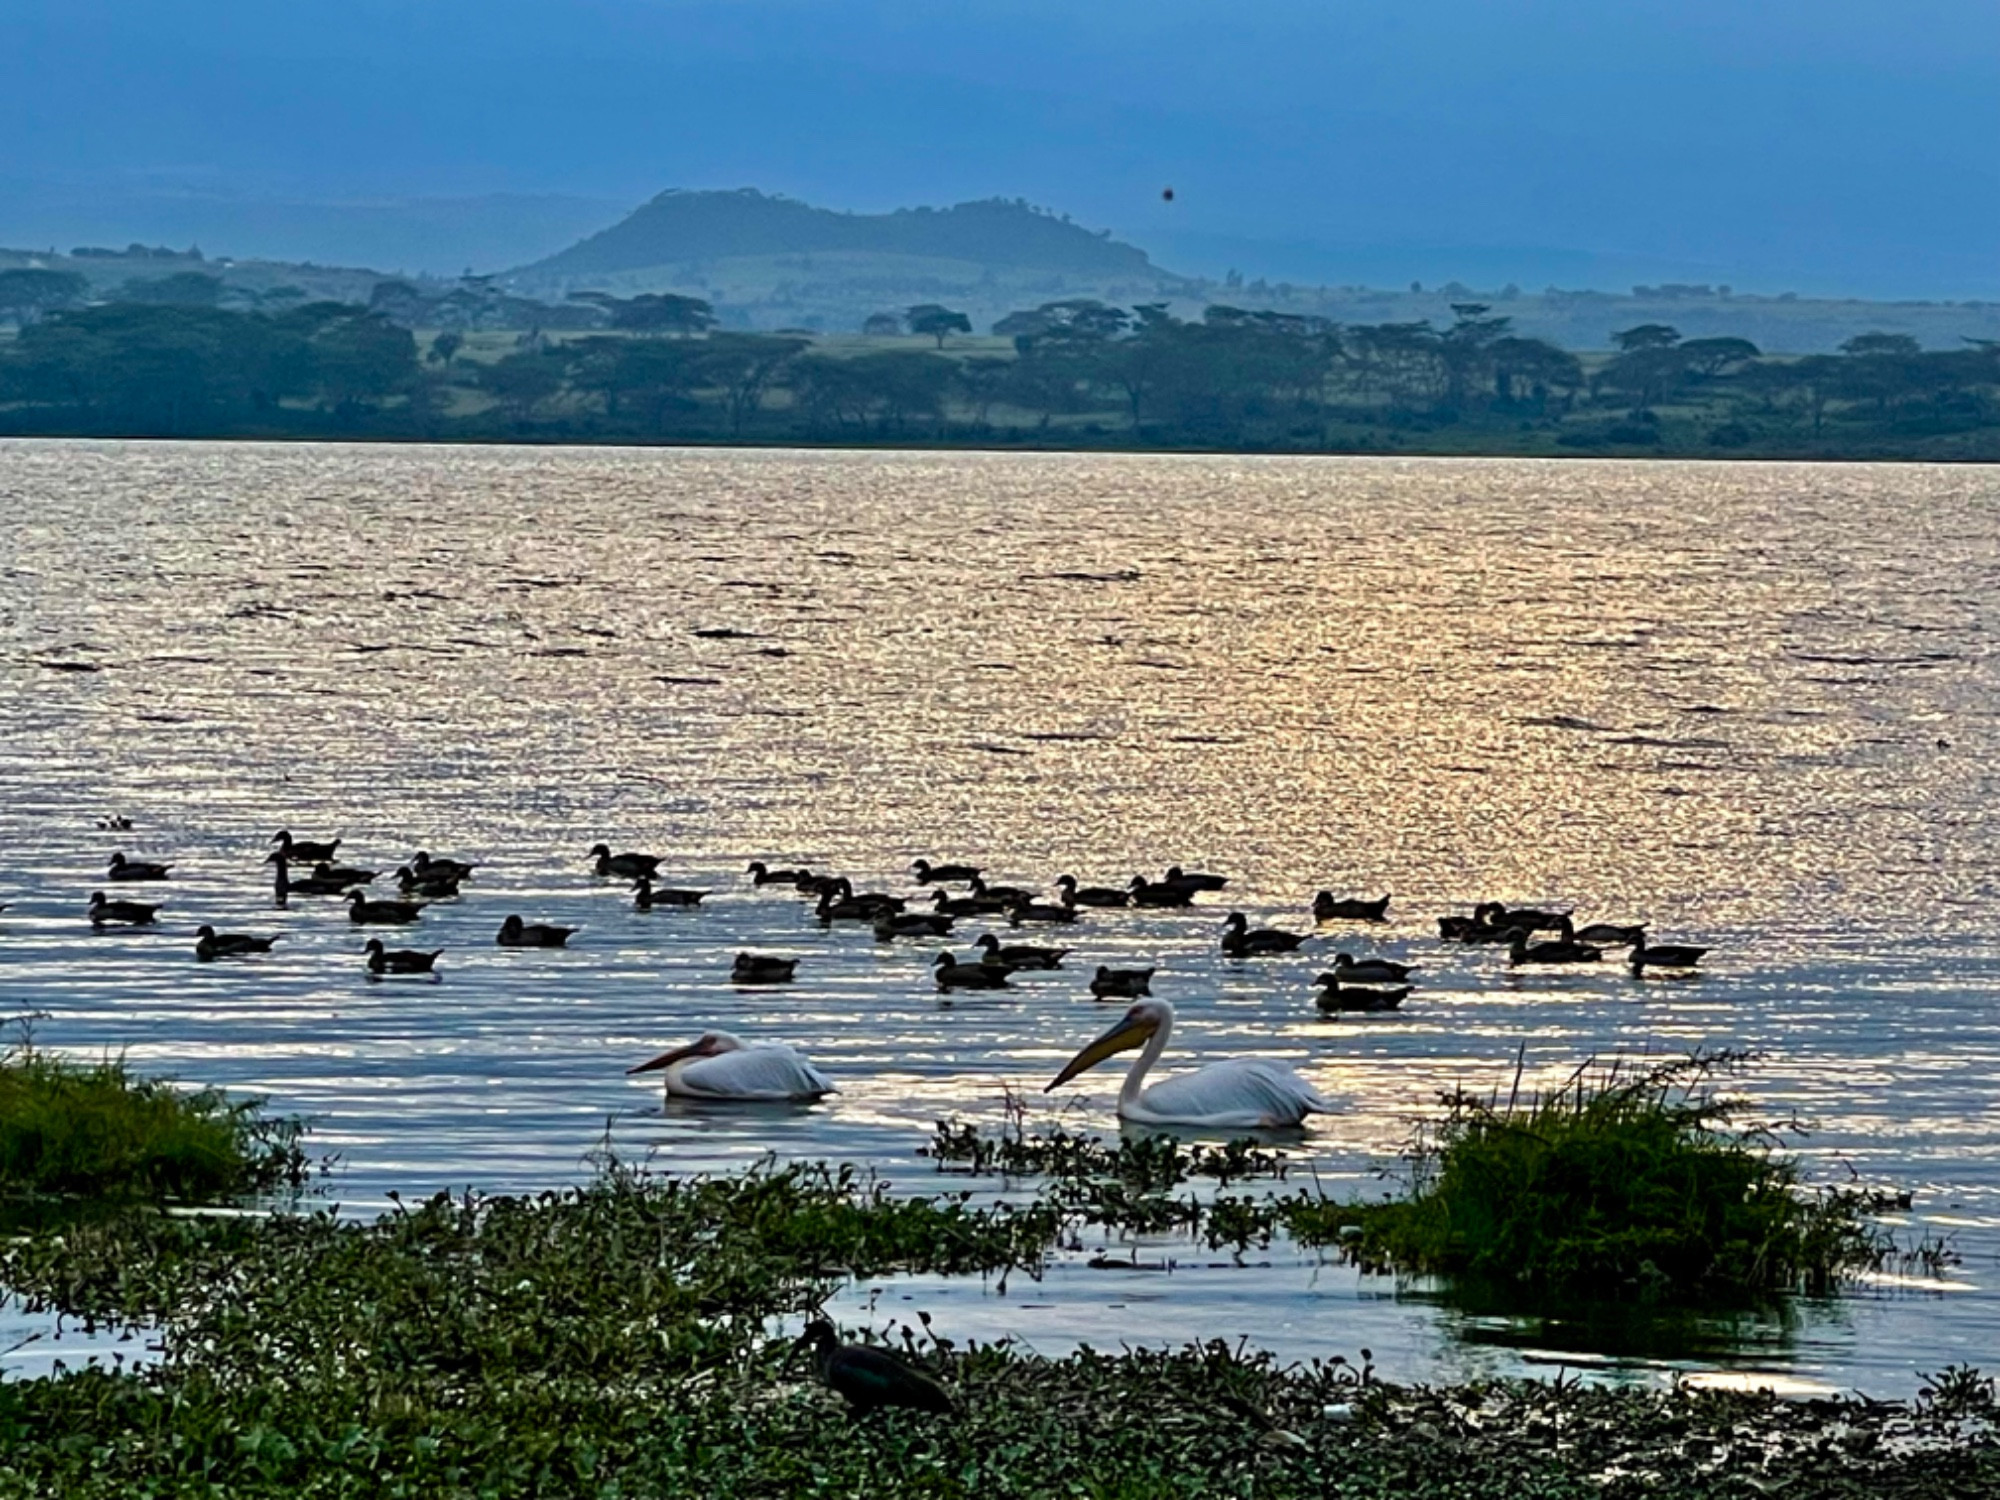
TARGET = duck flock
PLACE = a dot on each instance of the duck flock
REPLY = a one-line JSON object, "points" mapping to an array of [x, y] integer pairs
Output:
{"points": [[1238, 1093]]}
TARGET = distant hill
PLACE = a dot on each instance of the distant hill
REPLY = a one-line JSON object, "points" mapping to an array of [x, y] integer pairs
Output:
{"points": [[680, 227]]}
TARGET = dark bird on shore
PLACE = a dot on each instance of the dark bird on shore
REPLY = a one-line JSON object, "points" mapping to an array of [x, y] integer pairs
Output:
{"points": [[762, 874], [627, 866], [1336, 998], [1241, 940], [361, 909], [870, 1378], [303, 851], [1090, 895], [1019, 955], [1146, 893], [398, 960], [1347, 969], [929, 874], [135, 869], [757, 968], [953, 975], [346, 875], [646, 897], [514, 933], [208, 943], [133, 913], [1663, 956], [1328, 908], [1194, 880], [427, 868], [432, 884], [892, 925], [1122, 984]]}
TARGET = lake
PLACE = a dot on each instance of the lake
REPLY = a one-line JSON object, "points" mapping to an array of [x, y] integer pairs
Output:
{"points": [[1752, 705]]}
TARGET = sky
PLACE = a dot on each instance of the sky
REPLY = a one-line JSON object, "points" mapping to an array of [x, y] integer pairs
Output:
{"points": [[1823, 146]]}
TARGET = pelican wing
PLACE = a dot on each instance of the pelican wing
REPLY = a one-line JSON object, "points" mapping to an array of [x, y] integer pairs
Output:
{"points": [[1241, 1094], [772, 1072]]}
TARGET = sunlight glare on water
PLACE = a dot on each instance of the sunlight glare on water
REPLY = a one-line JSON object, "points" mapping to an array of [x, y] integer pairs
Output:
{"points": [[1752, 705]]}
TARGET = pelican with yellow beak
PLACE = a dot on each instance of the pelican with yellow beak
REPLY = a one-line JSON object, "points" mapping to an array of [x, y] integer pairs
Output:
{"points": [[717, 1065], [1240, 1094]]}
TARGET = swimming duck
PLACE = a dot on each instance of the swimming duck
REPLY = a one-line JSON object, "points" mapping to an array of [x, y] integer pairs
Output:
{"points": [[1007, 893], [1565, 950], [809, 884], [1019, 955], [115, 824], [1346, 999], [892, 925], [646, 898], [398, 960], [135, 869], [929, 874], [361, 909], [762, 874], [433, 884], [626, 866], [1039, 911], [131, 912], [1090, 895], [965, 906], [1663, 956], [1612, 934], [1346, 968], [879, 903], [1477, 928], [304, 851], [1530, 919], [305, 885], [1240, 940], [514, 933], [1194, 880], [1326, 908], [953, 975], [444, 869], [208, 943], [1121, 984], [756, 968], [1145, 893], [346, 876]]}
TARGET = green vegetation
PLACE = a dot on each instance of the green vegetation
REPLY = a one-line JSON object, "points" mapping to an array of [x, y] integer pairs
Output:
{"points": [[90, 1134], [633, 1337], [174, 357], [1620, 1185]]}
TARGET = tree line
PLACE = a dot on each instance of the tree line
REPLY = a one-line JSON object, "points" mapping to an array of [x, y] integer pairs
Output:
{"points": [[1077, 372]]}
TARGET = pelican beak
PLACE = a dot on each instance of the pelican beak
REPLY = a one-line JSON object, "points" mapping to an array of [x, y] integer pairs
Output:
{"points": [[668, 1059], [1129, 1032]]}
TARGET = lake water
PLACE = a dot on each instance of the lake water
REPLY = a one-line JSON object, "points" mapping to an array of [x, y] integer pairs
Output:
{"points": [[1753, 705]]}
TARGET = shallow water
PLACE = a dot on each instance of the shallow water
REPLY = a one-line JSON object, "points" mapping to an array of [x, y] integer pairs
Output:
{"points": [[1750, 704]]}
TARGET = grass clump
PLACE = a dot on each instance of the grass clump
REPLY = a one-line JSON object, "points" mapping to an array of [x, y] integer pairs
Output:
{"points": [[93, 1133], [1621, 1181]]}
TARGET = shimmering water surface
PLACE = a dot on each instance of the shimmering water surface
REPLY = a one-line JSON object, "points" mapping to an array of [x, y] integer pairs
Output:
{"points": [[1751, 704]]}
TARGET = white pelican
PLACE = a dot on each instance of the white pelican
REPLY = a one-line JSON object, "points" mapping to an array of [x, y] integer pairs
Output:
{"points": [[717, 1065], [1240, 1094]]}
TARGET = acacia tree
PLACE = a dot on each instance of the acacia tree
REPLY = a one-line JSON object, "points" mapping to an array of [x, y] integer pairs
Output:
{"points": [[933, 321], [28, 292]]}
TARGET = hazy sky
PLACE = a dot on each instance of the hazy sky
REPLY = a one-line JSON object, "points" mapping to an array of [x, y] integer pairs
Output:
{"points": [[1816, 144]]}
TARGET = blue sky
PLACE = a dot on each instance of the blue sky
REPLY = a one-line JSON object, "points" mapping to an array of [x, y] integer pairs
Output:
{"points": [[1824, 146]]}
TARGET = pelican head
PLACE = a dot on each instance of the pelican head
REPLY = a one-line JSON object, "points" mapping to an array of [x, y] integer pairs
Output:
{"points": [[1133, 1029], [708, 1044]]}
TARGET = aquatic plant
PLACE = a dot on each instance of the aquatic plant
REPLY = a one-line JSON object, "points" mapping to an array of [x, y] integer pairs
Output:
{"points": [[76, 1132], [1623, 1181]]}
